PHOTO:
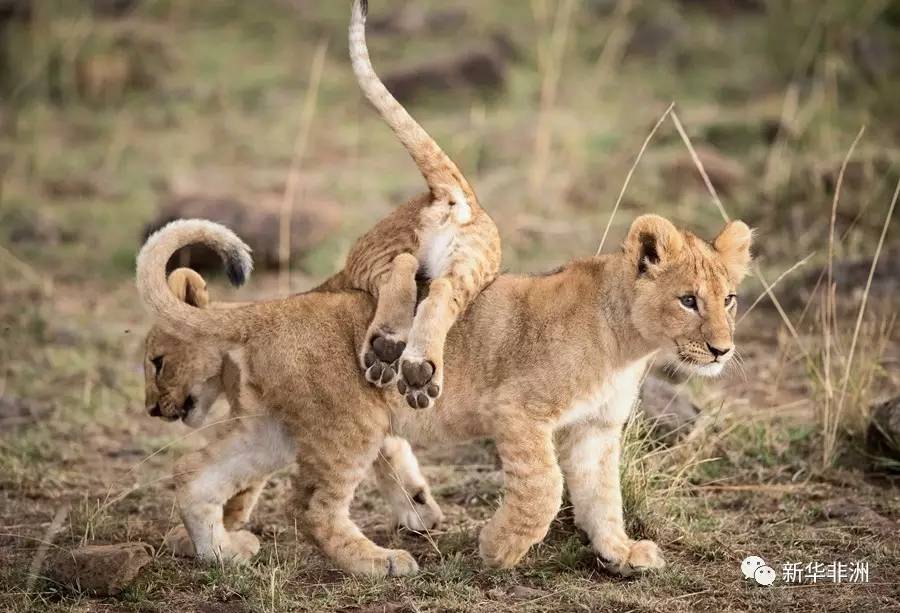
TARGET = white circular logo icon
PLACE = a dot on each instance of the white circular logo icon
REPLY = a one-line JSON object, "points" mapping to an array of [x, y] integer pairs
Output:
{"points": [[749, 566], [764, 575]]}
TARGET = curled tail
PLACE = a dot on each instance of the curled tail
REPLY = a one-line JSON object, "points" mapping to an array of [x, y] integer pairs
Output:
{"points": [[442, 176], [173, 315]]}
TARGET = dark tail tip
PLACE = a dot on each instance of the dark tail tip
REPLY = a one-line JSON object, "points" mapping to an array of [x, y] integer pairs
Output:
{"points": [[364, 7], [236, 268]]}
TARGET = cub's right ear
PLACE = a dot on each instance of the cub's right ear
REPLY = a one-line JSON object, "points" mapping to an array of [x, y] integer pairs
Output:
{"points": [[652, 241], [188, 286]]}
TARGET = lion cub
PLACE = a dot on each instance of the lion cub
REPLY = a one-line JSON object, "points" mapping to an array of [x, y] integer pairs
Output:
{"points": [[446, 229], [182, 380]]}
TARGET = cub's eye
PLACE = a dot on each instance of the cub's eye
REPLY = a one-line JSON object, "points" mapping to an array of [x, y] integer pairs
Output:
{"points": [[730, 301], [157, 363], [689, 302]]}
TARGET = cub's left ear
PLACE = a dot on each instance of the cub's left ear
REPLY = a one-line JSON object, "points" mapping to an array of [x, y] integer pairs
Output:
{"points": [[189, 287], [733, 245], [652, 242]]}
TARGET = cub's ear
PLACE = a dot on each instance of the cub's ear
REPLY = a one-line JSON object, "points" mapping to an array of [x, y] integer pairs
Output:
{"points": [[652, 241], [733, 245], [189, 287]]}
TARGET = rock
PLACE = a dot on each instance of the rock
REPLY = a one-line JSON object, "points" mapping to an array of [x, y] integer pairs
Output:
{"points": [[670, 412], [34, 226], [257, 224], [850, 277], [726, 174], [883, 435], [480, 66], [855, 514], [104, 570], [15, 411], [415, 20]]}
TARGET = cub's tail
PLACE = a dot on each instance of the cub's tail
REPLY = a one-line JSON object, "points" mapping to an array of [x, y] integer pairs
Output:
{"points": [[444, 179], [173, 315]]}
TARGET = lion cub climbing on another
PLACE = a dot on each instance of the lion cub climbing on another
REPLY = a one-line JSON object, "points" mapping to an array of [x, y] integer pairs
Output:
{"points": [[446, 229]]}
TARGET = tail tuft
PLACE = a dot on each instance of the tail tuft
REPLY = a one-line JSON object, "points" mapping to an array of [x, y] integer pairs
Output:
{"points": [[174, 315], [238, 266], [364, 8]]}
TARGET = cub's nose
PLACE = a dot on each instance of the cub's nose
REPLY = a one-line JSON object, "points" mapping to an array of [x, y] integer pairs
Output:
{"points": [[154, 411], [718, 351]]}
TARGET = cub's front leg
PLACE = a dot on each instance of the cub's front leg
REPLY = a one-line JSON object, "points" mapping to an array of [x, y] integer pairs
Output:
{"points": [[589, 455], [532, 494], [230, 470]]}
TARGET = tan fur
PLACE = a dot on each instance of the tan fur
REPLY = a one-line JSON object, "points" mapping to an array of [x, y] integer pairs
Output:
{"points": [[192, 378], [546, 366]]}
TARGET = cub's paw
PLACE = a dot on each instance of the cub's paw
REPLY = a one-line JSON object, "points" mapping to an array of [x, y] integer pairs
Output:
{"points": [[379, 359], [502, 549], [383, 563], [418, 514], [420, 382], [179, 543], [241, 547], [633, 557]]}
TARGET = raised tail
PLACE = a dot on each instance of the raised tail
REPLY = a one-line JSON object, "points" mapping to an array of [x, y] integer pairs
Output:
{"points": [[443, 177], [173, 315]]}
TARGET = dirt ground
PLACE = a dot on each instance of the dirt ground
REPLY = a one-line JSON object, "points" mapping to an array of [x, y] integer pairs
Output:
{"points": [[106, 467]]}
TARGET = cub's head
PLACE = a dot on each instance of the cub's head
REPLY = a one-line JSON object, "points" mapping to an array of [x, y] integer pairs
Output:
{"points": [[685, 289], [182, 378]]}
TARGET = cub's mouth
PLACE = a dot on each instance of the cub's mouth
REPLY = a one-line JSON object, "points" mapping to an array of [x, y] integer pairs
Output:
{"points": [[189, 405], [183, 413]]}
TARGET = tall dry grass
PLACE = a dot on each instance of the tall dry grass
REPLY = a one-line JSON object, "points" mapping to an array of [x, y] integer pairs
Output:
{"points": [[293, 183]]}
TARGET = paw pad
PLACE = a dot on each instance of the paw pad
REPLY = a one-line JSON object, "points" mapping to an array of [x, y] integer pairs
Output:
{"points": [[417, 374], [387, 350]]}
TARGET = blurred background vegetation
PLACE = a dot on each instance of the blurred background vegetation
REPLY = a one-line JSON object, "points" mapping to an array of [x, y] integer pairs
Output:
{"points": [[117, 115], [113, 109]]}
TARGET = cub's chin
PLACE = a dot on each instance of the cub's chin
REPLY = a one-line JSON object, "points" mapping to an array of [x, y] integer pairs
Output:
{"points": [[710, 369]]}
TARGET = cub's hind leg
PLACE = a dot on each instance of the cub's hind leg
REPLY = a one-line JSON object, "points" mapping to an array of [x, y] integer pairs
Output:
{"points": [[329, 470], [389, 329], [404, 487]]}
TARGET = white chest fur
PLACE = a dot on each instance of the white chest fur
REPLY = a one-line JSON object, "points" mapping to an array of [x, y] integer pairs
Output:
{"points": [[611, 401]]}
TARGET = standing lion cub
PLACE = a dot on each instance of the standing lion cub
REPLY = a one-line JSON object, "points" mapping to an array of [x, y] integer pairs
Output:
{"points": [[546, 366]]}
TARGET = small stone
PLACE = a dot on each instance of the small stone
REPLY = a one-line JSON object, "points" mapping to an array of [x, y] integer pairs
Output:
{"points": [[883, 435], [103, 570]]}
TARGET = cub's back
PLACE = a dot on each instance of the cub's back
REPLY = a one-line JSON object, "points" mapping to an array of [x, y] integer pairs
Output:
{"points": [[305, 346]]}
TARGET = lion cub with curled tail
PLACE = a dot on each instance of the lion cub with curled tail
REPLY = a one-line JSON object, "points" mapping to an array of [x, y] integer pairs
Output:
{"points": [[182, 381], [453, 238]]}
